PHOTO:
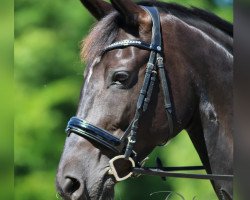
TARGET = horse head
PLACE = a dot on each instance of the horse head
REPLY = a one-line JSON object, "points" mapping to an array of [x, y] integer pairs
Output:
{"points": [[110, 114]]}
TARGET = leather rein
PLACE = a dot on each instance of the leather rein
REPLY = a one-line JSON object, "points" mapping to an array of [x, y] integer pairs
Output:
{"points": [[123, 147]]}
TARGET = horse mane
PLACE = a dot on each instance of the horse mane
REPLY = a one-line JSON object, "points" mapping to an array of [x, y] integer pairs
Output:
{"points": [[105, 32], [182, 11]]}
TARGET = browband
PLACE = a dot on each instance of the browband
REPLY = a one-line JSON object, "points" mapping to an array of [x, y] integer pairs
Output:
{"points": [[136, 43]]}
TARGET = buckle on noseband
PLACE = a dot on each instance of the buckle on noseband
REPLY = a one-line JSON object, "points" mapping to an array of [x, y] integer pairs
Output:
{"points": [[114, 171]]}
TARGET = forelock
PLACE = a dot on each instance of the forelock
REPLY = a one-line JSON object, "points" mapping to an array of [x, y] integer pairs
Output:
{"points": [[102, 35]]}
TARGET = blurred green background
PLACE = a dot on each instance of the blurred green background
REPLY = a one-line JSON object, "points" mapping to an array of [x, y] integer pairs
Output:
{"points": [[48, 78], [6, 105]]}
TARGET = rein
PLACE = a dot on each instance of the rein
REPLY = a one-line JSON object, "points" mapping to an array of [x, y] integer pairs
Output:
{"points": [[166, 173], [123, 147]]}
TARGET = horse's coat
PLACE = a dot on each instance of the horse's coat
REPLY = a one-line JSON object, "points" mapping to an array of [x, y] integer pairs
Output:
{"points": [[198, 60]]}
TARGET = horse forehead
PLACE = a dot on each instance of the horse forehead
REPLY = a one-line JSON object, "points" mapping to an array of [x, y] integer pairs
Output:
{"points": [[113, 59], [130, 57], [90, 69]]}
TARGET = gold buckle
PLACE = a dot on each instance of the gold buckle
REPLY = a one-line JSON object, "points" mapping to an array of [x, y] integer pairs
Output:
{"points": [[112, 170]]}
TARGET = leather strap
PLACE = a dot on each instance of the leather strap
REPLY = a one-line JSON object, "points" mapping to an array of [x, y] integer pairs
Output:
{"points": [[163, 173], [166, 93], [147, 87], [156, 27], [126, 43], [86, 130]]}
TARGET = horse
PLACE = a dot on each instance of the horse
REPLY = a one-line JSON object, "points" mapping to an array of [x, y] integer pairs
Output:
{"points": [[195, 68]]}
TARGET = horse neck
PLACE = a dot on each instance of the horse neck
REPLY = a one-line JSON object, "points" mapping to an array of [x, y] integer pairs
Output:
{"points": [[206, 67], [214, 33]]}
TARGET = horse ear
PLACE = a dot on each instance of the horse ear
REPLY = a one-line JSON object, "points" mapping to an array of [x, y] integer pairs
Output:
{"points": [[97, 8], [132, 12]]}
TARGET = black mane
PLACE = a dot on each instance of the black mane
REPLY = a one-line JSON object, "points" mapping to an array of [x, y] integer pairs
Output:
{"points": [[182, 11], [104, 33]]}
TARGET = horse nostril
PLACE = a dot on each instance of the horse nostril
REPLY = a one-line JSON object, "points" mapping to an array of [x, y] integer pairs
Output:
{"points": [[71, 185]]}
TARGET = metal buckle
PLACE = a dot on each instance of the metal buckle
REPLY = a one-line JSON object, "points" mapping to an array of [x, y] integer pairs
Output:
{"points": [[113, 171]]}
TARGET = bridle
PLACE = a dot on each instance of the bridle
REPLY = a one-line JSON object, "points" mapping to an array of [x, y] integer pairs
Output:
{"points": [[123, 147]]}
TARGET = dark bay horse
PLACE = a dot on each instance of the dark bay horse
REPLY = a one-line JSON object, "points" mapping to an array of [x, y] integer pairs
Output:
{"points": [[198, 59]]}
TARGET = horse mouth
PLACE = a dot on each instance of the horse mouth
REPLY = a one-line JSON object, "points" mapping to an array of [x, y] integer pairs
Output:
{"points": [[104, 192], [107, 190]]}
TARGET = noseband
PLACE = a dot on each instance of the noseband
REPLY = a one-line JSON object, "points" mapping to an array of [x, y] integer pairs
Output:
{"points": [[123, 147]]}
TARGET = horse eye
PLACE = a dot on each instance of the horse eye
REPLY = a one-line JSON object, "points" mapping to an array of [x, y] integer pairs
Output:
{"points": [[120, 77]]}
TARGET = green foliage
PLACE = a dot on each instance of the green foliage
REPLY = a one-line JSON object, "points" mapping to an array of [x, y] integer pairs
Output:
{"points": [[6, 106], [48, 78]]}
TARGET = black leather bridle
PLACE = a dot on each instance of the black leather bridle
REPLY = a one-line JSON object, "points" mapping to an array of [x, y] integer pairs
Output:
{"points": [[123, 147]]}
